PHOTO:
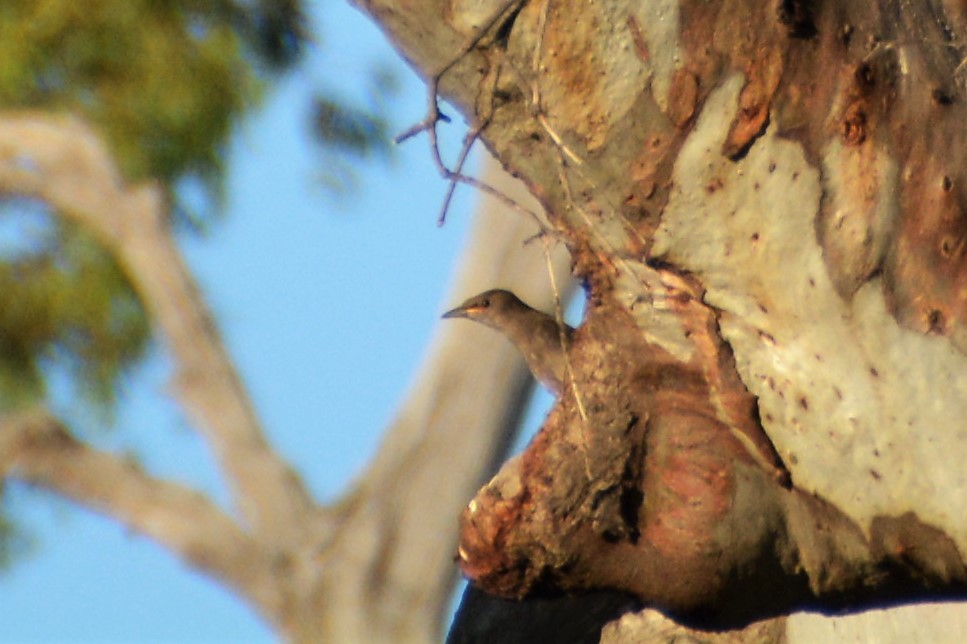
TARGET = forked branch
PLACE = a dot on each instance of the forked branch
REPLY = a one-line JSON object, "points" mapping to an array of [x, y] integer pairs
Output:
{"points": [[37, 449], [64, 163]]}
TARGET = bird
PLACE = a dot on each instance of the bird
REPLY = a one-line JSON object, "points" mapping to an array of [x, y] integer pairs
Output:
{"points": [[537, 335], [544, 345]]}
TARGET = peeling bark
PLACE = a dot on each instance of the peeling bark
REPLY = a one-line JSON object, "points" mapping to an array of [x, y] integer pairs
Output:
{"points": [[765, 203]]}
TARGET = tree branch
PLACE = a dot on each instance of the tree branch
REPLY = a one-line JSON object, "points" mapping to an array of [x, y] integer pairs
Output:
{"points": [[449, 434], [37, 449], [64, 163]]}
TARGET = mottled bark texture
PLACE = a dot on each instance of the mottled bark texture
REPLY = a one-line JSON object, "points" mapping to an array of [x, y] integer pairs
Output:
{"points": [[765, 201]]}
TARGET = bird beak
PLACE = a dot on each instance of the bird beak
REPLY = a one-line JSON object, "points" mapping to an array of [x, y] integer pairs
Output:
{"points": [[458, 312]]}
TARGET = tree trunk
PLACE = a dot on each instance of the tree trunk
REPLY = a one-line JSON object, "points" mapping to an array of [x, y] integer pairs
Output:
{"points": [[765, 202]]}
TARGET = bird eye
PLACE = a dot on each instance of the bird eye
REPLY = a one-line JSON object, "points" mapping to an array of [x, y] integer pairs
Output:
{"points": [[485, 303]]}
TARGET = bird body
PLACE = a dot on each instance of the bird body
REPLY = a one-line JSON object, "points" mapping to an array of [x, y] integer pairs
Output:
{"points": [[537, 335]]}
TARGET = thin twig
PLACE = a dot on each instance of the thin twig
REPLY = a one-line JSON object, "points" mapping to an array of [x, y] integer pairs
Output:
{"points": [[539, 51], [500, 195], [599, 239], [566, 348], [536, 90], [428, 124], [558, 309], [468, 142], [433, 116], [558, 141], [539, 235]]}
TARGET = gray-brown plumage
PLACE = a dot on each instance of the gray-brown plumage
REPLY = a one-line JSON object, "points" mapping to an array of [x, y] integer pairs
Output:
{"points": [[535, 334]]}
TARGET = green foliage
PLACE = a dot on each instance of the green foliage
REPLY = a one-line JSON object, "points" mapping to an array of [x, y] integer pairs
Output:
{"points": [[68, 306], [351, 133], [356, 132], [163, 81], [276, 28]]}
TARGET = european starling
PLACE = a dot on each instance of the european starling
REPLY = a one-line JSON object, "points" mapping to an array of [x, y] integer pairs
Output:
{"points": [[535, 334], [538, 337]]}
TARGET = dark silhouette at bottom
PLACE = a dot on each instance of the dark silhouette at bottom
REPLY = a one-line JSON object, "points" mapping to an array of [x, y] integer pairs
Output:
{"points": [[567, 619]]}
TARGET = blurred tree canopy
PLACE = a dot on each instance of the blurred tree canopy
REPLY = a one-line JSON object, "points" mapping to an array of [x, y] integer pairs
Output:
{"points": [[164, 82]]}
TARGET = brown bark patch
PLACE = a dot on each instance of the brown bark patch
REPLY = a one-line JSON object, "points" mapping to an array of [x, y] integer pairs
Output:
{"points": [[683, 97], [920, 551], [927, 267], [572, 83]]}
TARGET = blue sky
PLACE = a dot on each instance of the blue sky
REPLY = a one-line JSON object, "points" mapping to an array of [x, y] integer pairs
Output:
{"points": [[326, 305]]}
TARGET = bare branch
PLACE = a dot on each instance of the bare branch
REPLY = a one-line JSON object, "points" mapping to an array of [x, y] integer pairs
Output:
{"points": [[468, 141], [455, 425], [64, 163], [37, 449], [433, 115]]}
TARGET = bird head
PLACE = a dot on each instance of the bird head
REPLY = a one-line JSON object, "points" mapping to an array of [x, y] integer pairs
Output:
{"points": [[536, 335], [490, 307]]}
